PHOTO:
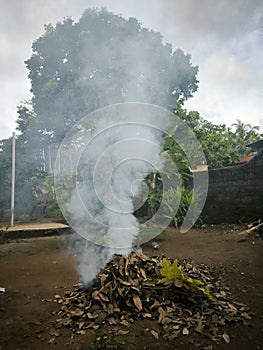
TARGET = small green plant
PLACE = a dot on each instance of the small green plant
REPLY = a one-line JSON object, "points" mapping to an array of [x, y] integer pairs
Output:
{"points": [[186, 200], [181, 198], [105, 342], [154, 199], [175, 273]]}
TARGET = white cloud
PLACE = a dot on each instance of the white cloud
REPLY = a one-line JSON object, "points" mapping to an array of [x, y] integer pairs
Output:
{"points": [[231, 83]]}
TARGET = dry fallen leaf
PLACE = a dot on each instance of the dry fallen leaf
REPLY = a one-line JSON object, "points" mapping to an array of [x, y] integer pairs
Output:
{"points": [[80, 324], [155, 334], [155, 304], [185, 331], [77, 312], [226, 338], [124, 322], [162, 314], [178, 283], [121, 332], [52, 340], [137, 302], [103, 297], [112, 320], [166, 320], [103, 277], [246, 316]]}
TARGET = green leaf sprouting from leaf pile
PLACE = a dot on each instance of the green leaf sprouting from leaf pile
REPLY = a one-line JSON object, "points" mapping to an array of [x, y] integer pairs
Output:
{"points": [[174, 272]]}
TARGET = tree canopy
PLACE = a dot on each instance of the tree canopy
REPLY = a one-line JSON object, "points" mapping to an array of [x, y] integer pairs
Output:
{"points": [[103, 59], [222, 144], [244, 135]]}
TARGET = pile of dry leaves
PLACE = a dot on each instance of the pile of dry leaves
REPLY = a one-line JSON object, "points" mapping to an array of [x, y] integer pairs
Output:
{"points": [[128, 289]]}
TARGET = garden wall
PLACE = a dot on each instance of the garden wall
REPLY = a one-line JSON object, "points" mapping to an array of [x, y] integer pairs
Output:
{"points": [[235, 193]]}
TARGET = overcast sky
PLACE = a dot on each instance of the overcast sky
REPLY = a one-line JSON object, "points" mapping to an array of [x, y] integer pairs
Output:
{"points": [[224, 38]]}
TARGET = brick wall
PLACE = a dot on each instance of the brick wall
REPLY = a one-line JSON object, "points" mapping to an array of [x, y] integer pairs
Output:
{"points": [[235, 193]]}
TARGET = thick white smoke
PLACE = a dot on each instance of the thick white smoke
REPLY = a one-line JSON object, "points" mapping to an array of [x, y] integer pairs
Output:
{"points": [[113, 150]]}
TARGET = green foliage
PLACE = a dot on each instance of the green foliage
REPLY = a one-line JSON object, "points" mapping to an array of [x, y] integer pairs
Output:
{"points": [[222, 145], [105, 342], [154, 198], [216, 140], [244, 135], [171, 272], [47, 199], [179, 197], [174, 272], [185, 197]]}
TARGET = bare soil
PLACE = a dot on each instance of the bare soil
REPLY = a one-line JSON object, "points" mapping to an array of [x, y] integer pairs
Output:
{"points": [[34, 270]]}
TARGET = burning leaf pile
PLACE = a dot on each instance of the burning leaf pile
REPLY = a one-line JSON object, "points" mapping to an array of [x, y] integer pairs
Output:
{"points": [[131, 288]]}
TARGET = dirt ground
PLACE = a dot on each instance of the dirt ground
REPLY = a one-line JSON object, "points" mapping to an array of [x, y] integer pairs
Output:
{"points": [[34, 270]]}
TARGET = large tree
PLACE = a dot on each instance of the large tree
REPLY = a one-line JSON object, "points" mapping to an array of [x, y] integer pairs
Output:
{"points": [[103, 59]]}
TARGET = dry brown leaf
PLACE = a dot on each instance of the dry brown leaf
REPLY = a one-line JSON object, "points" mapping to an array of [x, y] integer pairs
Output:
{"points": [[185, 331], [143, 274], [176, 327], [77, 312], [246, 316], [155, 334], [125, 282], [103, 278], [162, 314], [95, 295], [80, 324], [103, 297], [215, 318], [166, 320], [169, 310], [199, 327], [108, 308], [155, 304], [226, 338], [125, 323], [52, 340], [148, 284], [112, 320], [178, 283], [137, 302]]}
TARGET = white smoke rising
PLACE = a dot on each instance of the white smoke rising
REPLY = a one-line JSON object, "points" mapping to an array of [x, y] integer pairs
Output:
{"points": [[117, 147], [113, 149]]}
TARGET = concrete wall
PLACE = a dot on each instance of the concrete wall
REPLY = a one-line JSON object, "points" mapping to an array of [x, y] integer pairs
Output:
{"points": [[235, 193]]}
